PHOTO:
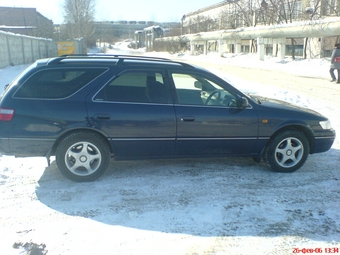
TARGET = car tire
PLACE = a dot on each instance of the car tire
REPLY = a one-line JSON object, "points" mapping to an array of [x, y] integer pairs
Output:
{"points": [[287, 151], [83, 156]]}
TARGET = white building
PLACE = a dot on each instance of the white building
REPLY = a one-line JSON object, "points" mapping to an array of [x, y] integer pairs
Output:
{"points": [[236, 14]]}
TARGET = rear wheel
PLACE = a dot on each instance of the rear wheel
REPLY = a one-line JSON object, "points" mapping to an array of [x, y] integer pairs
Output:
{"points": [[83, 156], [287, 151]]}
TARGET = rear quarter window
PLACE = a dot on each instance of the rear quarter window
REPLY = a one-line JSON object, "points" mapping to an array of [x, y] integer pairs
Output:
{"points": [[137, 87], [57, 83]]}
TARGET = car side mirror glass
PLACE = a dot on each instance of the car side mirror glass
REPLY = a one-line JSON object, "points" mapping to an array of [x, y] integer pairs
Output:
{"points": [[198, 85], [243, 102]]}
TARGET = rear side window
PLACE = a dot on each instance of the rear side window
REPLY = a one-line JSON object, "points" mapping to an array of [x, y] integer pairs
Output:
{"points": [[57, 83], [136, 87]]}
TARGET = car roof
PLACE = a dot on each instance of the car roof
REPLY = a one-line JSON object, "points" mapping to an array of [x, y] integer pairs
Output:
{"points": [[114, 59]]}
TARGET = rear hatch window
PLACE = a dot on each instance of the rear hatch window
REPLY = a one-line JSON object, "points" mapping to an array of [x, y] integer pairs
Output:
{"points": [[57, 83]]}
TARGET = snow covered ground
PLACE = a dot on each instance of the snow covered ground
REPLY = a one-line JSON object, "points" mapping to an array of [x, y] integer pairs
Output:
{"points": [[187, 206]]}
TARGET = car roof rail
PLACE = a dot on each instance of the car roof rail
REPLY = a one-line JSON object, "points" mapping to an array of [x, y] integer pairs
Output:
{"points": [[119, 57], [54, 61], [103, 55]]}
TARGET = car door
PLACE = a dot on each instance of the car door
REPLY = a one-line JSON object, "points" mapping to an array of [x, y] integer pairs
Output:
{"points": [[209, 119], [135, 110]]}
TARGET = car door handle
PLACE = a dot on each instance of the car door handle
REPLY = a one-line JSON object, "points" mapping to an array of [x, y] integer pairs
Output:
{"points": [[102, 116], [188, 118]]}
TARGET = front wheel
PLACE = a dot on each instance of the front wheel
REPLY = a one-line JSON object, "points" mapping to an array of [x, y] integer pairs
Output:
{"points": [[287, 151], [82, 156]]}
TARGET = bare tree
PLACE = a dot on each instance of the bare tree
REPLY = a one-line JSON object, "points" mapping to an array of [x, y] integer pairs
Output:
{"points": [[330, 7], [79, 18], [312, 12], [269, 12], [287, 11], [201, 23]]}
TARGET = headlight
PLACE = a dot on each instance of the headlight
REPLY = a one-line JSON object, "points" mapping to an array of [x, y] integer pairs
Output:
{"points": [[326, 124]]}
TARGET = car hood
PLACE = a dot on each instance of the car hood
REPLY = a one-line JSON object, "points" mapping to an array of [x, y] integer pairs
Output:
{"points": [[283, 105]]}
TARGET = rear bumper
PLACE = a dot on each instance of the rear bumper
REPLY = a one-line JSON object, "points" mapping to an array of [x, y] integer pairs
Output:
{"points": [[4, 146], [28, 147]]}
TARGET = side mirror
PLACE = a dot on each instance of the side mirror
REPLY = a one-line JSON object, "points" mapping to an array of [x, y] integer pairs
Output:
{"points": [[243, 102], [198, 85]]}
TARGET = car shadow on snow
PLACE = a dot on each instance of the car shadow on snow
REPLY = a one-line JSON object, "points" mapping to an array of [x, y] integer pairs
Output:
{"points": [[205, 197]]}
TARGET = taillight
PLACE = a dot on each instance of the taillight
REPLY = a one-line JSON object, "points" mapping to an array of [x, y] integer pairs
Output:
{"points": [[6, 114]]}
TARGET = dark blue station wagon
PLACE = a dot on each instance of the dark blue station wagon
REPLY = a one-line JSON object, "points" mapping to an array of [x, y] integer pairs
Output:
{"points": [[85, 109]]}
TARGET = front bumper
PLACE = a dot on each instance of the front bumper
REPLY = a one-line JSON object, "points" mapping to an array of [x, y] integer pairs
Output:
{"points": [[323, 142]]}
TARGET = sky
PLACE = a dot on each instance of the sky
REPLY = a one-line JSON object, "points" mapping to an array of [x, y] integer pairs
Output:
{"points": [[146, 10]]}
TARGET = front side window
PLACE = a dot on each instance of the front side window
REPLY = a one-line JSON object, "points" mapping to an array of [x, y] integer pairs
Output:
{"points": [[195, 89], [136, 87], [57, 83]]}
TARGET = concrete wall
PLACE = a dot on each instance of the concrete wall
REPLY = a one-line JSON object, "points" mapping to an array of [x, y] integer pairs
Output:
{"points": [[18, 49]]}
